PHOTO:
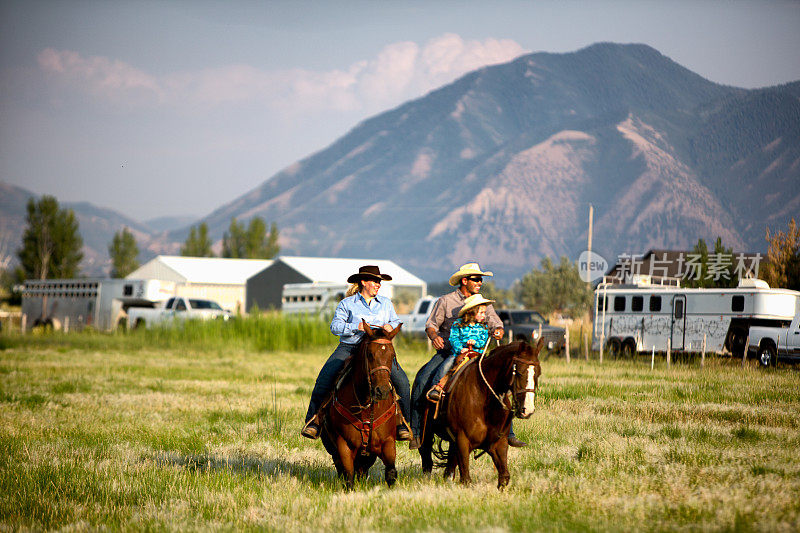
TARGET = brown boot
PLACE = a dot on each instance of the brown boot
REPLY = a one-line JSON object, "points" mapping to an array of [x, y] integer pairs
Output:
{"points": [[311, 429]]}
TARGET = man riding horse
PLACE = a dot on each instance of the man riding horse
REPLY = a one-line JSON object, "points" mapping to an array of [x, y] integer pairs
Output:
{"points": [[468, 280]]}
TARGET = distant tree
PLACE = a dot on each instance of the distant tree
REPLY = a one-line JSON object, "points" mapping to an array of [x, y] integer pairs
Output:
{"points": [[783, 258], [197, 243], [123, 251], [250, 243], [555, 288], [272, 248], [503, 298], [51, 244], [706, 270], [234, 241]]}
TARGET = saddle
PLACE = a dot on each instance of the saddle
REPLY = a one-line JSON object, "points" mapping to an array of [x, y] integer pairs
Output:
{"points": [[363, 424]]}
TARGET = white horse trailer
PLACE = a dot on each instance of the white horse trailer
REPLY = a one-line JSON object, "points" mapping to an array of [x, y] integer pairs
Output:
{"points": [[319, 297], [72, 304], [312, 298], [660, 315]]}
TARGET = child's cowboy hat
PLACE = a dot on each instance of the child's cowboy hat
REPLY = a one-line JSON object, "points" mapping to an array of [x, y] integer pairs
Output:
{"points": [[473, 301]]}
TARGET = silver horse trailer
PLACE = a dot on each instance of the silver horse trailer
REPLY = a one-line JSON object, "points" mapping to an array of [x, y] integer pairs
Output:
{"points": [[73, 304], [658, 314]]}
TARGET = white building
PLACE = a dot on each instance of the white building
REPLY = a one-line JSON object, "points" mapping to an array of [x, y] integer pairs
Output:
{"points": [[265, 288], [213, 278]]}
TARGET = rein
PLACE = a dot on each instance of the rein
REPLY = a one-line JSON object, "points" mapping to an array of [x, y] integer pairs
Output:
{"points": [[512, 382]]}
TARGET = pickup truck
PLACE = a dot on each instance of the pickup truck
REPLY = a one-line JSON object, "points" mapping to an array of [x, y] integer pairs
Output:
{"points": [[769, 343], [174, 309], [414, 322], [525, 324]]}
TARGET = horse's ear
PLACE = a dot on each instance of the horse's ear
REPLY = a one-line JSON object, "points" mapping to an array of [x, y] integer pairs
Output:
{"points": [[367, 329], [394, 332], [539, 345]]}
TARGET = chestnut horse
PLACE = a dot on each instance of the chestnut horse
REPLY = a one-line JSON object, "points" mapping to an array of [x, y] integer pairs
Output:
{"points": [[476, 412], [359, 424]]}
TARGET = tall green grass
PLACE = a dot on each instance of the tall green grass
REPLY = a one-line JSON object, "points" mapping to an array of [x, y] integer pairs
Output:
{"points": [[155, 431], [270, 331]]}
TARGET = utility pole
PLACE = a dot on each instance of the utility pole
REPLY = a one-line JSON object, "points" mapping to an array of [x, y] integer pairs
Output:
{"points": [[589, 244]]}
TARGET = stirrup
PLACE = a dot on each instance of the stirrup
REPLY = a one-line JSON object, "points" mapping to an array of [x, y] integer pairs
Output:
{"points": [[435, 394]]}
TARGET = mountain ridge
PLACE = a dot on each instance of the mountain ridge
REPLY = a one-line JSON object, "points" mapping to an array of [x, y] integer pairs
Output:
{"points": [[501, 165]]}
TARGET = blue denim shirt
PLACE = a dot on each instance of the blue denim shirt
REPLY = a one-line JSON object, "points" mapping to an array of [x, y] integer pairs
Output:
{"points": [[352, 309]]}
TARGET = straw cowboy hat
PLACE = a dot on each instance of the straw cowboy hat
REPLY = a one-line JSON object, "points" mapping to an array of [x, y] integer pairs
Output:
{"points": [[473, 301], [369, 272], [470, 269]]}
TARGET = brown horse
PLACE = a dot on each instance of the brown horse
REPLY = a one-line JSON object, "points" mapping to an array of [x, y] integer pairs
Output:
{"points": [[476, 412], [359, 424]]}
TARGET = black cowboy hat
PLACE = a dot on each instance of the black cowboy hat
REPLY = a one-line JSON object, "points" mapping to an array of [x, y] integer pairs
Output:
{"points": [[369, 272]]}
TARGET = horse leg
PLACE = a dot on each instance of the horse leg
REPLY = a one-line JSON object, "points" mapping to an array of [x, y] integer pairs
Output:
{"points": [[452, 461], [347, 457], [388, 456], [462, 454], [427, 460], [362, 464], [499, 454]]}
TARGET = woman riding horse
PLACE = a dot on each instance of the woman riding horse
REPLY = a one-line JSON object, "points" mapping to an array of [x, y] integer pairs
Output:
{"points": [[358, 426], [360, 309]]}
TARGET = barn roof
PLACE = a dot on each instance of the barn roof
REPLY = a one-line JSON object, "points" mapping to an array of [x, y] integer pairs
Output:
{"points": [[338, 270], [212, 270]]}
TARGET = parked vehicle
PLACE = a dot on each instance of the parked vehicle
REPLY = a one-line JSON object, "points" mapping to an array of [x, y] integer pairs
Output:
{"points": [[176, 309], [658, 314], [72, 304], [312, 298], [414, 322], [529, 325], [769, 343]]}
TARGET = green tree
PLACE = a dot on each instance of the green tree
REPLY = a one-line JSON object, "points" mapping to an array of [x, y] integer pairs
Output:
{"points": [[51, 244], [197, 243], [234, 241], [783, 258], [272, 248], [250, 243], [503, 298], [555, 288], [123, 251], [707, 270]]}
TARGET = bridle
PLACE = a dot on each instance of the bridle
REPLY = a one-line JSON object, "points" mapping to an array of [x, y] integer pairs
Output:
{"points": [[370, 371], [511, 385]]}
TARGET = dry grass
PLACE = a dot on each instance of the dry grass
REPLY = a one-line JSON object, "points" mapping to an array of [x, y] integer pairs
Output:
{"points": [[192, 438]]}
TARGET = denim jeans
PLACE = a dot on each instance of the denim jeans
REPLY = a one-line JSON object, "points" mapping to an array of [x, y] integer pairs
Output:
{"points": [[327, 376], [422, 384]]}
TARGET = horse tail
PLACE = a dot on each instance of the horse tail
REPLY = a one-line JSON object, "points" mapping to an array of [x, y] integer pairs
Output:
{"points": [[438, 451]]}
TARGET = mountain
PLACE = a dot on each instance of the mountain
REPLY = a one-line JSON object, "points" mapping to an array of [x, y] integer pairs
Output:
{"points": [[169, 223], [97, 227], [501, 165]]}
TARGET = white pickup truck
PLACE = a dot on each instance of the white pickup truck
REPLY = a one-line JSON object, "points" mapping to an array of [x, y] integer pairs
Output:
{"points": [[175, 309], [771, 342], [414, 322]]}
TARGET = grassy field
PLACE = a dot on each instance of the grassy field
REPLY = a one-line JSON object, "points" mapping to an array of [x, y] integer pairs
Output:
{"points": [[147, 432]]}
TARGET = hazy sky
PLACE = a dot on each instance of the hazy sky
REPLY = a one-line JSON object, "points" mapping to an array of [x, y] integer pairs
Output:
{"points": [[157, 108]]}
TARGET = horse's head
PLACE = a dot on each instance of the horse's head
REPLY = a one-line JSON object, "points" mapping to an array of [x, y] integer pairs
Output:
{"points": [[378, 358], [525, 382]]}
